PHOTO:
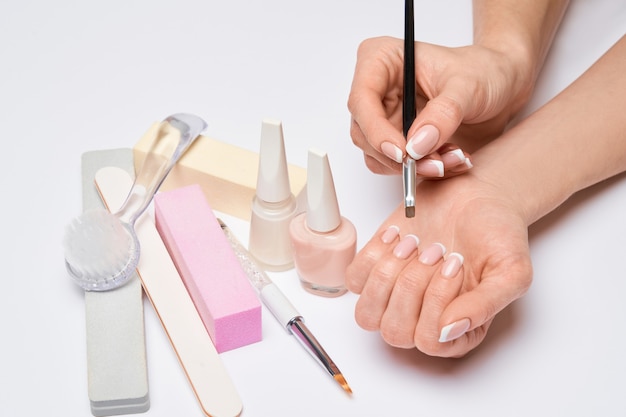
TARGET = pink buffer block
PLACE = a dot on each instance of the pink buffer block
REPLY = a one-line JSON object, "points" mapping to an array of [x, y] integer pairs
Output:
{"points": [[207, 264]]}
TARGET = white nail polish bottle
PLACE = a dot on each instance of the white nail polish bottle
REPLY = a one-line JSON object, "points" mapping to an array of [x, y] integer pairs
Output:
{"points": [[324, 242], [273, 205]]}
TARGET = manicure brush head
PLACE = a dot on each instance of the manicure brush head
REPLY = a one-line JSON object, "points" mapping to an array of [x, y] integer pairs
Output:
{"points": [[101, 251]]}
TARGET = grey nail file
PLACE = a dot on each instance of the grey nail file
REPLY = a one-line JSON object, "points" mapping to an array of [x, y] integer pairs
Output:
{"points": [[116, 349]]}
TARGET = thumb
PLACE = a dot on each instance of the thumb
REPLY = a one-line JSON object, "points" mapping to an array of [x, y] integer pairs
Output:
{"points": [[471, 310]]}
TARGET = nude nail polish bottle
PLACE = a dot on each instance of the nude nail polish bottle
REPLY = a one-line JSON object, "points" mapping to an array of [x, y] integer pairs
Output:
{"points": [[323, 241], [274, 205]]}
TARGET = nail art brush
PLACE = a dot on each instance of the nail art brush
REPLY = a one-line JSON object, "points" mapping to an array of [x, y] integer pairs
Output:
{"points": [[282, 309], [408, 107]]}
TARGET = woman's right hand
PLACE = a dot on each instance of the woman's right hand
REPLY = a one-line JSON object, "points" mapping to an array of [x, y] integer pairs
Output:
{"points": [[465, 98]]}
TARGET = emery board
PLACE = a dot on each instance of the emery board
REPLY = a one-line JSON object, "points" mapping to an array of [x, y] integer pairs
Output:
{"points": [[196, 353], [116, 349]]}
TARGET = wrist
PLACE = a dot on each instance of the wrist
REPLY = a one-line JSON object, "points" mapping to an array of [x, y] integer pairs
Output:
{"points": [[575, 140], [522, 32], [519, 66], [518, 58], [524, 177]]}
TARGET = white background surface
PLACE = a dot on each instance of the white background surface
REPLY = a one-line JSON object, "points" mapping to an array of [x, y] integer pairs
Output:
{"points": [[80, 76]]}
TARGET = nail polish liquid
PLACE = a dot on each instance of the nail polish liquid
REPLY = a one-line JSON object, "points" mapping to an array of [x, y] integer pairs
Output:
{"points": [[274, 205], [324, 242]]}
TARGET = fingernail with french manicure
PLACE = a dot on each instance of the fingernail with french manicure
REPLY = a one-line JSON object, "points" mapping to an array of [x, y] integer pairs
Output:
{"points": [[453, 158], [391, 151], [452, 265], [390, 234], [432, 254], [454, 330], [429, 167], [422, 142], [462, 167], [406, 246]]}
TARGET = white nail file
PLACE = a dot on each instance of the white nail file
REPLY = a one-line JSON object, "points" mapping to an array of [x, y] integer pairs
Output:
{"points": [[209, 379], [116, 351]]}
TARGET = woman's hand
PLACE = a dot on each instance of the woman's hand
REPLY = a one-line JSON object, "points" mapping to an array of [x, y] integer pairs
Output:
{"points": [[442, 304], [466, 96]]}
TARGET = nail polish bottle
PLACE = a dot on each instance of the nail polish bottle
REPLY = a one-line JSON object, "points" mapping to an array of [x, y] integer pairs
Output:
{"points": [[274, 205], [323, 241]]}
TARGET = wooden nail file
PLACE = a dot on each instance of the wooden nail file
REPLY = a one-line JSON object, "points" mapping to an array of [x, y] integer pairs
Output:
{"points": [[209, 379], [116, 349]]}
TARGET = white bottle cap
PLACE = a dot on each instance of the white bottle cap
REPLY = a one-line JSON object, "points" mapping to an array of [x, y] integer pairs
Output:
{"points": [[323, 209], [273, 177]]}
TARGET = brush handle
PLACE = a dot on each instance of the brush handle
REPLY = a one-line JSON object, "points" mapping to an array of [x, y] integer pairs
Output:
{"points": [[258, 278], [409, 109], [174, 135], [276, 302]]}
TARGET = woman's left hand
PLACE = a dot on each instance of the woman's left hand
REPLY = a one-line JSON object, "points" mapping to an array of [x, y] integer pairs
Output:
{"points": [[442, 304]]}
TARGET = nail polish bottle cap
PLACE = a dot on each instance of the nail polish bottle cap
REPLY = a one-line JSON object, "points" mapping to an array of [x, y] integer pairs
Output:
{"points": [[323, 209], [273, 177]]}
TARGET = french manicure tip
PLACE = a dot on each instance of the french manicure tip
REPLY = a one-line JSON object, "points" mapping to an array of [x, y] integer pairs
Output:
{"points": [[392, 152], [432, 254], [414, 155], [454, 330], [452, 265], [443, 248], [458, 153], [440, 168], [415, 238], [390, 234], [458, 256], [407, 245]]}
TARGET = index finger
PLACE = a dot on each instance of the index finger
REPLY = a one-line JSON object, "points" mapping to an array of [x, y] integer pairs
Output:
{"points": [[375, 95]]}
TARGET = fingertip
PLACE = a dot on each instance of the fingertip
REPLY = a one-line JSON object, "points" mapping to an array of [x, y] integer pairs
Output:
{"points": [[390, 234], [452, 265], [355, 279], [429, 167], [392, 152], [454, 330], [436, 123], [467, 313], [377, 167], [423, 142], [364, 317], [432, 254], [453, 158], [464, 167]]}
